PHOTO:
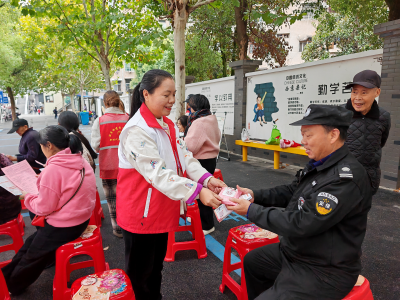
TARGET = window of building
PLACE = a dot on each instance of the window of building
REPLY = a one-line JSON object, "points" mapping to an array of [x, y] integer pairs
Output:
{"points": [[283, 35], [251, 48], [128, 68], [127, 84], [309, 10], [49, 99], [117, 87], [303, 44]]}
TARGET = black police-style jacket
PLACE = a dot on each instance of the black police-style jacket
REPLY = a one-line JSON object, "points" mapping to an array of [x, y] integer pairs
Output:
{"points": [[325, 219], [366, 137], [30, 150]]}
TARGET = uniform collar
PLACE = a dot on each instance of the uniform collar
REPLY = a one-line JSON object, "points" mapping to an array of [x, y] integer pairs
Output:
{"points": [[151, 121], [334, 158], [372, 114]]}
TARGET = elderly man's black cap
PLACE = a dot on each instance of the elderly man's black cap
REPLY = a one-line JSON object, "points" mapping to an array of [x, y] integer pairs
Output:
{"points": [[17, 123], [367, 78], [326, 115]]}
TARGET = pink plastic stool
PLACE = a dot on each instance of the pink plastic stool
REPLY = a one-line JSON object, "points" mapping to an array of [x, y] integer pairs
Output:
{"points": [[91, 246], [11, 229], [199, 241], [362, 292], [117, 283], [243, 246]]}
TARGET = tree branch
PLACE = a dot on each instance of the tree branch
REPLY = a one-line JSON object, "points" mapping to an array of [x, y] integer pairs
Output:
{"points": [[198, 4]]}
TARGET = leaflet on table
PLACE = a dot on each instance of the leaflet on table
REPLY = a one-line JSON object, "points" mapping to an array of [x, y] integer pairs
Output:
{"points": [[9, 186], [22, 175]]}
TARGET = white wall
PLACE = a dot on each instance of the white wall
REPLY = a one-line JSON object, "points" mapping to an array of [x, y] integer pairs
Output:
{"points": [[316, 85]]}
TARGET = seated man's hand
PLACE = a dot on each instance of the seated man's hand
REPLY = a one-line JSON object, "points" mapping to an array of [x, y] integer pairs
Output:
{"points": [[215, 185], [246, 191], [241, 208]]}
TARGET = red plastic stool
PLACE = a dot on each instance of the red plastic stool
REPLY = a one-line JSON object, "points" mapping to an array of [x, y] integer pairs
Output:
{"points": [[91, 246], [199, 241], [23, 204], [243, 239], [21, 224], [94, 219], [361, 291], [11, 229], [4, 294], [114, 281], [217, 174], [98, 209]]}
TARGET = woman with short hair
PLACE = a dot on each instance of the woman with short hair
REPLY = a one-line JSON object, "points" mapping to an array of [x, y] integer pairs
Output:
{"points": [[105, 140], [202, 137]]}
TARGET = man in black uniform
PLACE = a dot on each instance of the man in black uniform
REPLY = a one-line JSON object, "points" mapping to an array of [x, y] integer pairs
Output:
{"points": [[324, 221]]}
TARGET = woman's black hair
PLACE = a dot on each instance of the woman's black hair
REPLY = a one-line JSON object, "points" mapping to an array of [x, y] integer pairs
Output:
{"points": [[150, 81], [198, 102], [183, 119], [70, 121], [59, 137]]}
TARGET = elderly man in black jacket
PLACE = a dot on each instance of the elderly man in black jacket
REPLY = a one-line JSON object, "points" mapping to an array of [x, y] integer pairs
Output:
{"points": [[369, 128], [324, 221], [29, 148]]}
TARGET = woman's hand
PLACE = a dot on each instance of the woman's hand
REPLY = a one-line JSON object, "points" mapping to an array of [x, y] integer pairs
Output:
{"points": [[22, 196], [246, 191], [12, 158], [209, 198], [215, 185]]}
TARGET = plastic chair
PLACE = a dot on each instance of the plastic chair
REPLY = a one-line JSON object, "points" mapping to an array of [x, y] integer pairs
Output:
{"points": [[21, 224], [243, 246], [4, 294], [362, 292], [199, 241], [11, 229], [218, 174], [91, 246], [98, 208], [118, 284], [23, 204]]}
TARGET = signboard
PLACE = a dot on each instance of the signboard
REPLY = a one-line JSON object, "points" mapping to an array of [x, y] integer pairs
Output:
{"points": [[220, 94], [1, 96], [5, 100], [283, 95]]}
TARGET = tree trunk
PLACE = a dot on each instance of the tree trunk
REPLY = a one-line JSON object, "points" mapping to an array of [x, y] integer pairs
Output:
{"points": [[82, 101], [180, 19], [12, 101], [72, 102], [241, 27], [105, 69], [394, 9], [64, 105], [224, 64]]}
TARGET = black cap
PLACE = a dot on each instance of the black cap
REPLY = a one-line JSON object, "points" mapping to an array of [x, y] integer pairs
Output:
{"points": [[367, 78], [326, 115], [17, 124]]}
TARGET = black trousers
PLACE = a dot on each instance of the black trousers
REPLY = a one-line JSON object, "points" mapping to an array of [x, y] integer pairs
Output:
{"points": [[271, 276], [206, 212], [144, 258], [38, 251]]}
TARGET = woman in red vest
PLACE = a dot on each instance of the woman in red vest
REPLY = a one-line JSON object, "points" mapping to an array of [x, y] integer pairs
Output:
{"points": [[157, 177], [105, 140]]}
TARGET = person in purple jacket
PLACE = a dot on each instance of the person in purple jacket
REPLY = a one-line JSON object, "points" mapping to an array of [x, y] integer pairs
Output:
{"points": [[29, 148]]}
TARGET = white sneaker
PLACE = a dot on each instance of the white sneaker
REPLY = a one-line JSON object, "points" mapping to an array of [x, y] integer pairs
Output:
{"points": [[209, 231], [189, 219]]}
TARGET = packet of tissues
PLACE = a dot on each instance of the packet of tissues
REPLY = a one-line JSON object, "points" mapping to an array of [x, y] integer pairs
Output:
{"points": [[227, 193], [222, 211]]}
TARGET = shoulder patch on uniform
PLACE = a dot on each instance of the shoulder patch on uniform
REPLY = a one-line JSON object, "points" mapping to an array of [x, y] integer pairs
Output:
{"points": [[326, 203], [345, 172]]}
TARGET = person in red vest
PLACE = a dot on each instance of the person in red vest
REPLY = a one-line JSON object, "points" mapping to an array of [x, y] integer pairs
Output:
{"points": [[157, 177], [105, 140]]}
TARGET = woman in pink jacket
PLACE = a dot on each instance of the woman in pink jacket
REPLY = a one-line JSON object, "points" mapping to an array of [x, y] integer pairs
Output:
{"points": [[67, 214]]}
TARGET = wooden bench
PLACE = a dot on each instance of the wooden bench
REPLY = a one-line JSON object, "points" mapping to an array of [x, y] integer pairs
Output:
{"points": [[277, 149]]}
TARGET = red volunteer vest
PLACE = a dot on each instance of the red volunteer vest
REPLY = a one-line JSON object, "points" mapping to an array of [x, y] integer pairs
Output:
{"points": [[141, 208], [111, 126]]}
